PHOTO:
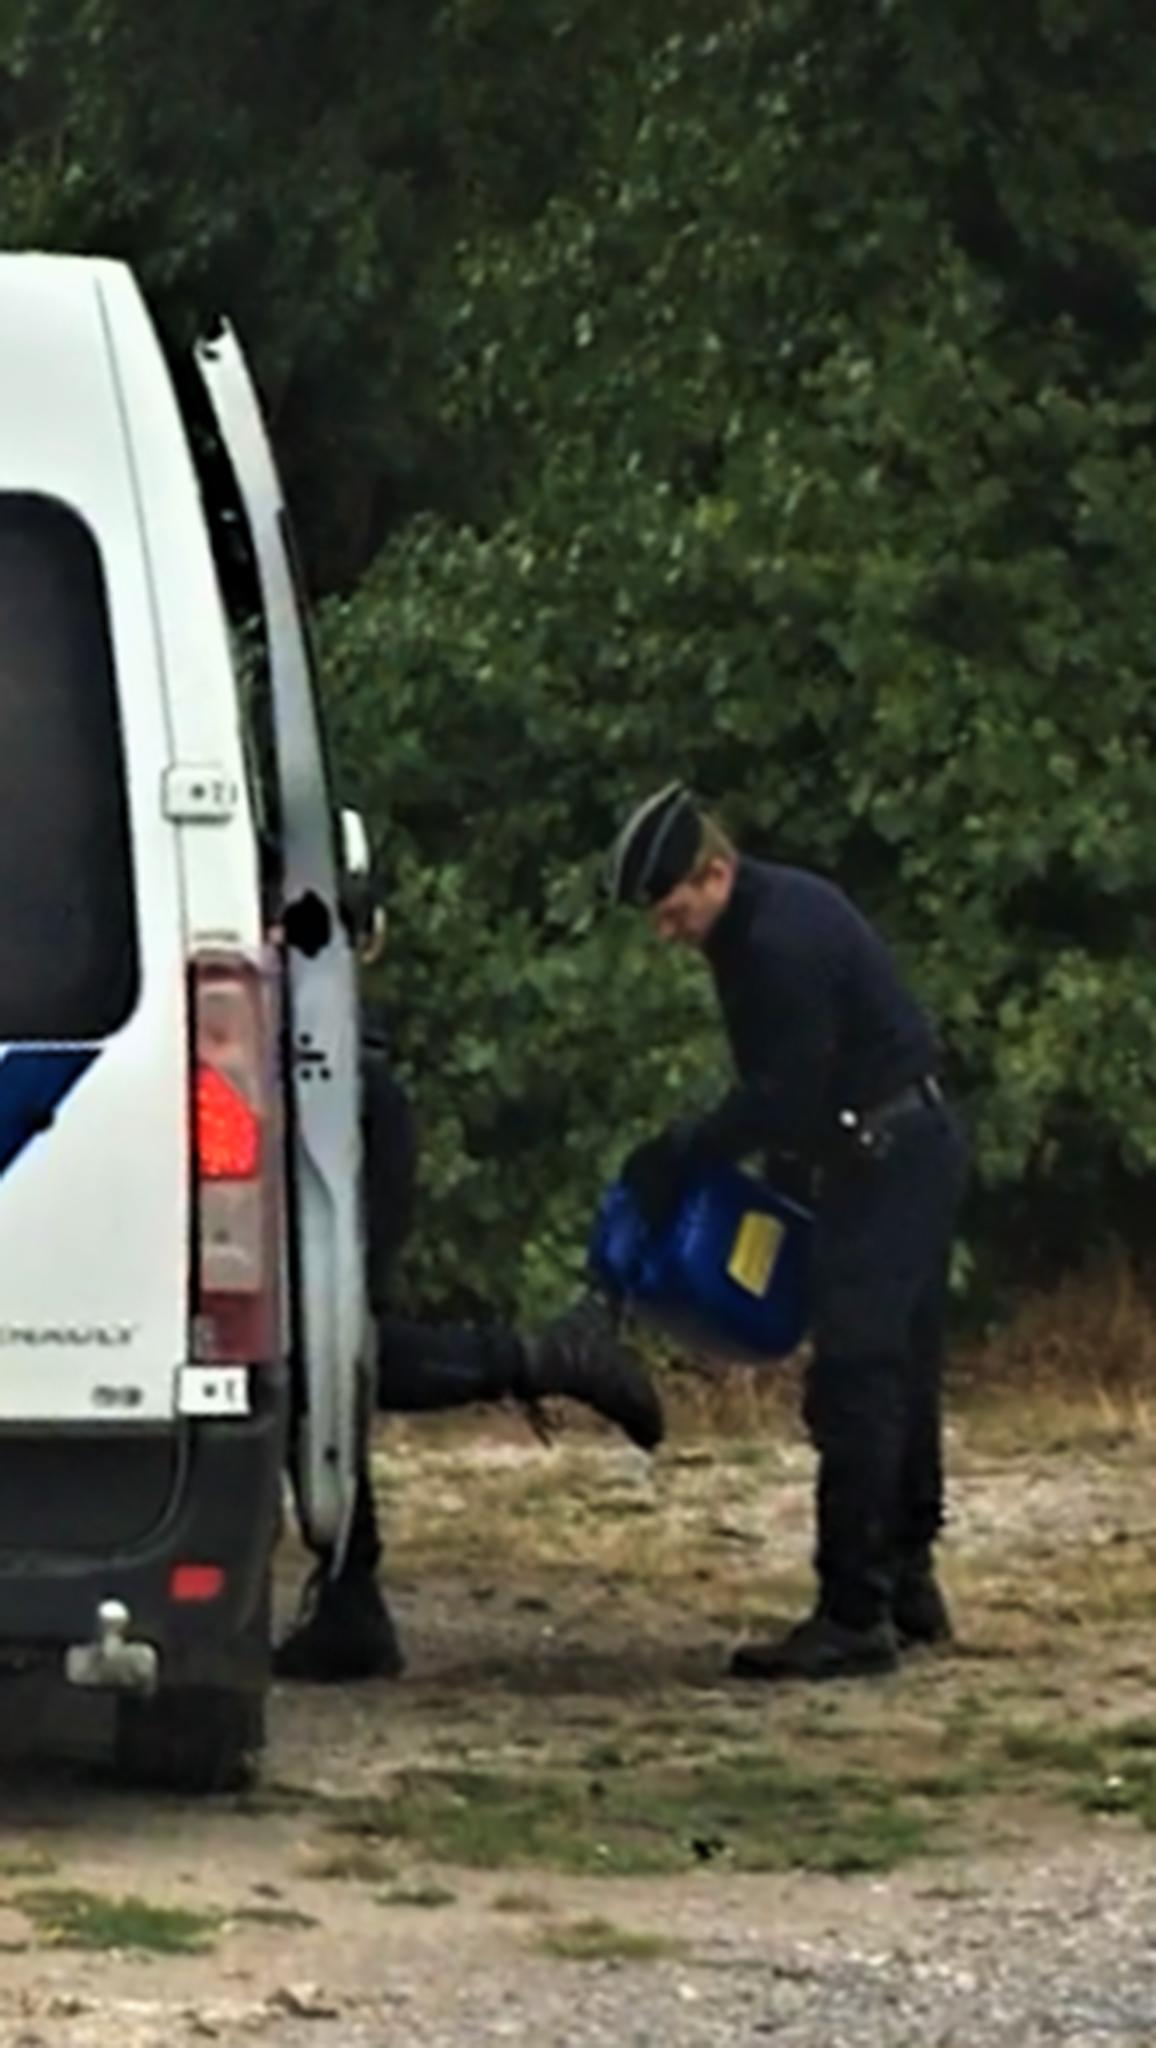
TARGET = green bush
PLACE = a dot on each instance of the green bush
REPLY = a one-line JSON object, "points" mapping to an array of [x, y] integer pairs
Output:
{"points": [[813, 425], [765, 395]]}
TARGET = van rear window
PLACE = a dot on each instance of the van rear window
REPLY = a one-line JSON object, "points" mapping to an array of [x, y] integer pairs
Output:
{"points": [[68, 949]]}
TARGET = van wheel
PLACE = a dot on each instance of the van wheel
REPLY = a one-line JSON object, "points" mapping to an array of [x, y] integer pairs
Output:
{"points": [[194, 1738]]}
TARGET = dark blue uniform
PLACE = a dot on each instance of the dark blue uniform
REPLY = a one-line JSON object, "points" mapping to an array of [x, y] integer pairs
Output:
{"points": [[836, 1064], [817, 1016]]}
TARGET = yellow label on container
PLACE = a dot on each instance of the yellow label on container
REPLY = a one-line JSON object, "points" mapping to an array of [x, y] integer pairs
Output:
{"points": [[755, 1249]]}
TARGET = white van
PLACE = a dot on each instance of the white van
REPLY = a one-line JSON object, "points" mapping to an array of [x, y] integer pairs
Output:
{"points": [[182, 1301]]}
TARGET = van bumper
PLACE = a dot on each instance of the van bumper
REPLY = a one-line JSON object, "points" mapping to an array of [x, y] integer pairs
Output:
{"points": [[225, 1511]]}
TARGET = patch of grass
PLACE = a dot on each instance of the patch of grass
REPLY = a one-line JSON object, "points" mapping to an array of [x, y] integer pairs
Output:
{"points": [[964, 1723], [1094, 1330], [1111, 1770], [745, 1454], [970, 1781], [1106, 1585], [827, 1731], [624, 1505], [516, 1902], [604, 1756], [27, 1863], [1120, 1793], [273, 1797], [600, 1941], [418, 1895], [365, 1817], [746, 1813], [359, 1863], [1051, 1749], [1138, 1734], [781, 1817], [274, 1916], [70, 1918]]}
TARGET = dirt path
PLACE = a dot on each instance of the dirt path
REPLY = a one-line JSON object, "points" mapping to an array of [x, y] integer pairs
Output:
{"points": [[567, 1827]]}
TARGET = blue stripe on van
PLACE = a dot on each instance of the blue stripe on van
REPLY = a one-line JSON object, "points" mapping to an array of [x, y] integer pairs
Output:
{"points": [[33, 1084]]}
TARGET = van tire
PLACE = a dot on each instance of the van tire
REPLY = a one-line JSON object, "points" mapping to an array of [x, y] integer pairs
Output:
{"points": [[191, 1738], [202, 1738]]}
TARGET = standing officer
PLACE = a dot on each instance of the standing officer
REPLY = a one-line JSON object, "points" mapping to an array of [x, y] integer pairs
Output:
{"points": [[836, 1068]]}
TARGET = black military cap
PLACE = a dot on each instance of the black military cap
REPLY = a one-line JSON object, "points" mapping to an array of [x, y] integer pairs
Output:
{"points": [[657, 847]]}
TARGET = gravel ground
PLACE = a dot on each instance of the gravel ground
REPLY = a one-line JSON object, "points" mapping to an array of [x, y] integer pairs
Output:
{"points": [[550, 1606], [1031, 1949]]}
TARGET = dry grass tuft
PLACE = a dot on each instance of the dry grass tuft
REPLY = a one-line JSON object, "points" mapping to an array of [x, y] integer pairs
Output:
{"points": [[739, 1402], [1094, 1332], [1090, 1339], [600, 1941]]}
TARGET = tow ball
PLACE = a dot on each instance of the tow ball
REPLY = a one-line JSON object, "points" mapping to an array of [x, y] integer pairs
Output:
{"points": [[111, 1662]]}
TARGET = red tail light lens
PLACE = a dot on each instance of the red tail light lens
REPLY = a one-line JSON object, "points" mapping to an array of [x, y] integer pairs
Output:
{"points": [[228, 1132], [236, 1165], [193, 1584]]}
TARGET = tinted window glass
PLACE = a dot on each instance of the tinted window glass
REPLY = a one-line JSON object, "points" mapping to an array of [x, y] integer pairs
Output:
{"points": [[68, 957]]}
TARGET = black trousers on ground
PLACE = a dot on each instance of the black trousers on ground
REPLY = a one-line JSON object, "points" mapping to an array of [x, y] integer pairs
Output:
{"points": [[424, 1369], [872, 1404]]}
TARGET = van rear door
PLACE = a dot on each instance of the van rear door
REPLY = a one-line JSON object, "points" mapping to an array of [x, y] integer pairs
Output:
{"points": [[331, 1310], [94, 1136]]}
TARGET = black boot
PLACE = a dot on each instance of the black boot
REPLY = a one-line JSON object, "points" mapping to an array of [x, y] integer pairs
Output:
{"points": [[820, 1648], [918, 1608], [344, 1630], [853, 1409], [581, 1355]]}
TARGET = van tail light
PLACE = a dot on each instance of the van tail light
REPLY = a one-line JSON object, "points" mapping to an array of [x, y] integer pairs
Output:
{"points": [[236, 1165], [194, 1584]]}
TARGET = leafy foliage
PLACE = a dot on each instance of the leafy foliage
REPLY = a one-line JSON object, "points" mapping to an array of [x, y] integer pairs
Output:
{"points": [[280, 163], [759, 396], [814, 428]]}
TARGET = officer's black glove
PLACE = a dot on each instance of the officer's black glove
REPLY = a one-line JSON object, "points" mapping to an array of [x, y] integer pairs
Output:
{"points": [[791, 1176], [735, 1127], [658, 1172]]}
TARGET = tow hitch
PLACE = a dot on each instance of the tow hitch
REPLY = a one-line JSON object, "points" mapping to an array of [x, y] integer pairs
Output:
{"points": [[110, 1663]]}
